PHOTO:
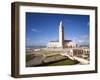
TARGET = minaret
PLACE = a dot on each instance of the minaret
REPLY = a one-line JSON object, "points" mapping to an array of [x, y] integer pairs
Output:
{"points": [[61, 35]]}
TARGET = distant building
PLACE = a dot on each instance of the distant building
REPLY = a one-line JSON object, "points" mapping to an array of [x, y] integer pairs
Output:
{"points": [[61, 43]]}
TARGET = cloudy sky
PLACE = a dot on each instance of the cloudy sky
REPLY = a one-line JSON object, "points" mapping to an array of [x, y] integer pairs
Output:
{"points": [[42, 28]]}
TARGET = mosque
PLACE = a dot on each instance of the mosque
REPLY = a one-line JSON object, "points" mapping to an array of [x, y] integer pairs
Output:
{"points": [[61, 43]]}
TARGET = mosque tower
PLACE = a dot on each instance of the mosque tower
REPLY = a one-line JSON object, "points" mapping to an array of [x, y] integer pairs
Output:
{"points": [[61, 35]]}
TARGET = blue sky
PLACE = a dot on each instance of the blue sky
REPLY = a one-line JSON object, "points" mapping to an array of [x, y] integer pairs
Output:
{"points": [[44, 27]]}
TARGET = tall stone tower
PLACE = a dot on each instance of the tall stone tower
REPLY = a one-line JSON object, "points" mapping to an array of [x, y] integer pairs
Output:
{"points": [[61, 35]]}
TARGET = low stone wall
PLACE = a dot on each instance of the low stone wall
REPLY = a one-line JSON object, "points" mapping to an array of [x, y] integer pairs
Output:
{"points": [[53, 58]]}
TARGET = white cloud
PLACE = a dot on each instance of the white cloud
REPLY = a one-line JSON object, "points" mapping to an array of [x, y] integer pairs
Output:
{"points": [[88, 24], [85, 37], [67, 20], [82, 39], [35, 30]]}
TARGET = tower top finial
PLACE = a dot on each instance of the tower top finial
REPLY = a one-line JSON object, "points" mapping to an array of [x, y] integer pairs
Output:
{"points": [[61, 21], [61, 24]]}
